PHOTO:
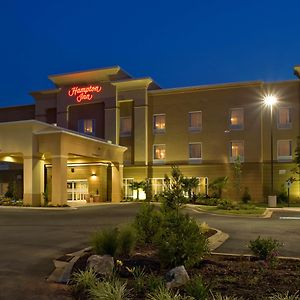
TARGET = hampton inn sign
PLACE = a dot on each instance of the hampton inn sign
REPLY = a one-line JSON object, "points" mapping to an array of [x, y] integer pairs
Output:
{"points": [[84, 93]]}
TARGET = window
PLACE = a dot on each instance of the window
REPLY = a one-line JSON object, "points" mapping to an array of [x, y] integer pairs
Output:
{"points": [[284, 117], [158, 185], [236, 150], [159, 123], [125, 126], [284, 150], [128, 192], [195, 120], [195, 151], [86, 126], [159, 152], [236, 118]]}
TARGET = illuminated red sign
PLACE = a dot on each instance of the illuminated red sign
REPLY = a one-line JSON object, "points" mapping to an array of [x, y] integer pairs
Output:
{"points": [[84, 93]]}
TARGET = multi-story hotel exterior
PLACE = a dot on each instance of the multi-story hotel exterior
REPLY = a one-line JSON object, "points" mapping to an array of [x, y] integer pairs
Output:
{"points": [[98, 129]]}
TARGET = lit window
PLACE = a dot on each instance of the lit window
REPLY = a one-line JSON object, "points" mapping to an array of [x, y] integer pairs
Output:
{"points": [[284, 150], [195, 151], [157, 185], [86, 126], [195, 120], [125, 126], [236, 118], [159, 152], [159, 123], [284, 117], [127, 187], [236, 150]]}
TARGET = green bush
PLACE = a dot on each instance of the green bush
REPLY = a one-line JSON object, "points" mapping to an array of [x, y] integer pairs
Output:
{"points": [[109, 290], [204, 200], [197, 289], [286, 296], [180, 241], [126, 240], [105, 241], [147, 223], [81, 282], [265, 248], [227, 204], [114, 242], [246, 198]]}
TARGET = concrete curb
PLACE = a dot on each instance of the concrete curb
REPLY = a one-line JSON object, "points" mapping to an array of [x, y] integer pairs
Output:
{"points": [[250, 255], [217, 239], [37, 207], [64, 265]]}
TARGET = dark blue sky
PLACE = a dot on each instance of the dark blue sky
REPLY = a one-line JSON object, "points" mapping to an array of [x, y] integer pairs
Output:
{"points": [[177, 43]]}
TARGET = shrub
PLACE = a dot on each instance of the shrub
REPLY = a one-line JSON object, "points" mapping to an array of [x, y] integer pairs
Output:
{"points": [[147, 223], [286, 296], [197, 289], [217, 186], [105, 241], [126, 240], [82, 281], [163, 294], [180, 241], [246, 198], [226, 204], [265, 249], [109, 290], [205, 200]]}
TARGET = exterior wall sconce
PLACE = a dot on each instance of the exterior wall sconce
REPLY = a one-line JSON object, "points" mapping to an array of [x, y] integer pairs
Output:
{"points": [[93, 175]]}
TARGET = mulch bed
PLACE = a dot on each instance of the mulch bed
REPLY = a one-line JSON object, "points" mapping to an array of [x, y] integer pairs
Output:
{"points": [[241, 276]]}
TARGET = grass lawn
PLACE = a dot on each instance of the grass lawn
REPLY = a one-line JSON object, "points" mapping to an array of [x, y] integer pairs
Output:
{"points": [[251, 211]]}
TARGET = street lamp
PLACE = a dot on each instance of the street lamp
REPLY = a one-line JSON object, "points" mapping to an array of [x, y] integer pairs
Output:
{"points": [[270, 101]]}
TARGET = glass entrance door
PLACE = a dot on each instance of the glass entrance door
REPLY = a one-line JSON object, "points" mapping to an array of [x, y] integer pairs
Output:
{"points": [[77, 189]]}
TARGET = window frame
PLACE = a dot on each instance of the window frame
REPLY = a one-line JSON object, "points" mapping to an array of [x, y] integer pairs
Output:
{"points": [[285, 158], [157, 130], [288, 125], [201, 153], [242, 157], [125, 133], [158, 160], [191, 128], [236, 127]]}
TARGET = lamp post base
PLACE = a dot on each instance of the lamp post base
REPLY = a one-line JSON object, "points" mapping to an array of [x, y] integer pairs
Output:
{"points": [[272, 201]]}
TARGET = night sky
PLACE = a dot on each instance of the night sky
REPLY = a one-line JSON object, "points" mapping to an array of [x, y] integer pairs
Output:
{"points": [[177, 43]]}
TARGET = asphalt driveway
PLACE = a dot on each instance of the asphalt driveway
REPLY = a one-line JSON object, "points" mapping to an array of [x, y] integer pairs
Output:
{"points": [[31, 238]]}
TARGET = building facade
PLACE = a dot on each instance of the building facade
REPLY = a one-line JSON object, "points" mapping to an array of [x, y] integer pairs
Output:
{"points": [[201, 129]]}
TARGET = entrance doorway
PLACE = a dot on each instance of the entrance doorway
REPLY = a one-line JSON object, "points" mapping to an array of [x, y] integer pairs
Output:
{"points": [[77, 189]]}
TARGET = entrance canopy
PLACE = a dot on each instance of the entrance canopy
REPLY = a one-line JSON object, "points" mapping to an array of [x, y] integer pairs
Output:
{"points": [[35, 144]]}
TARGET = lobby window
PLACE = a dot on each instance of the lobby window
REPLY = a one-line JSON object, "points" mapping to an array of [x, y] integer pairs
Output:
{"points": [[159, 152], [86, 126], [284, 150], [195, 151], [236, 150], [125, 126], [236, 120], [284, 119], [195, 120], [159, 123]]}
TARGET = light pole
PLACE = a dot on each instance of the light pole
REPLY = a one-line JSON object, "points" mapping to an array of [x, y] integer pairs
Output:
{"points": [[271, 100]]}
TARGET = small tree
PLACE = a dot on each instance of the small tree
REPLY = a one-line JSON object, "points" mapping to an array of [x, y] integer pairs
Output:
{"points": [[190, 185], [218, 185], [173, 196], [237, 177]]}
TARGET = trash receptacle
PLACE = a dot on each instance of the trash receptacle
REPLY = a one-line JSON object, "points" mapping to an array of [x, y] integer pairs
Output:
{"points": [[272, 201]]}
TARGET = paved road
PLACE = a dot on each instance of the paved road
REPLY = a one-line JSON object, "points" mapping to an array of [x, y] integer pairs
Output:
{"points": [[30, 239]]}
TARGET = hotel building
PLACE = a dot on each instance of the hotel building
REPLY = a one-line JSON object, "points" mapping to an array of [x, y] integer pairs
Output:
{"points": [[97, 131]]}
